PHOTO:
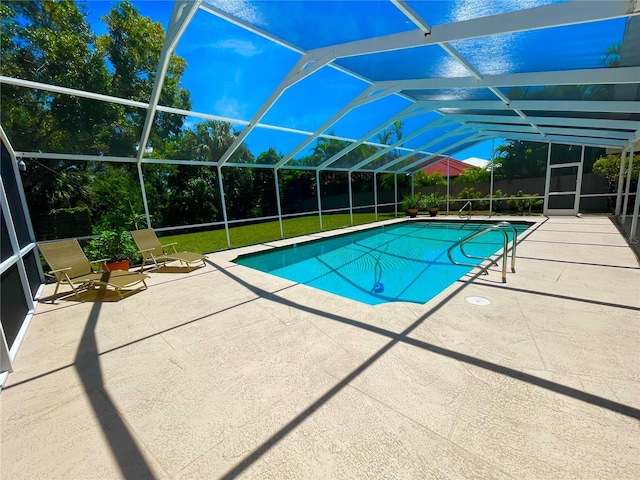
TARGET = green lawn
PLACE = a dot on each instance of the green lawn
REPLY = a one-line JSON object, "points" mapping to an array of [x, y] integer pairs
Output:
{"points": [[213, 240]]}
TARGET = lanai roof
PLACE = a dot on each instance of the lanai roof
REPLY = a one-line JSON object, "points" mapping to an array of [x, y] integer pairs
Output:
{"points": [[455, 72]]}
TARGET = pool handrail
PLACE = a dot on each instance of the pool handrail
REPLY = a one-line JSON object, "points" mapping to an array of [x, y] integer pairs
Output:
{"points": [[496, 226], [460, 214]]}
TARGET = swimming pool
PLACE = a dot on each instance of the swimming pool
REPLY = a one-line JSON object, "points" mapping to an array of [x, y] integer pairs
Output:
{"points": [[404, 262]]}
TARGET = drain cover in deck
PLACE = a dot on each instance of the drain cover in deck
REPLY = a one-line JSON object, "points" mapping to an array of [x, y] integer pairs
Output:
{"points": [[478, 301]]}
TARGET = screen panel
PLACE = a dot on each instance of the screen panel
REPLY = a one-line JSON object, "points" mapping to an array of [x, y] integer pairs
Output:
{"points": [[419, 62], [298, 22], [583, 46], [438, 13]]}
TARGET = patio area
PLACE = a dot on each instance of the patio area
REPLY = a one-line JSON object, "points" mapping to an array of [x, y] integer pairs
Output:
{"points": [[227, 372]]}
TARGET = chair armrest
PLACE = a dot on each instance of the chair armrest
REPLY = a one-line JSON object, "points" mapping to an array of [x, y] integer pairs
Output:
{"points": [[147, 250], [60, 270], [102, 260], [93, 262], [170, 245]]}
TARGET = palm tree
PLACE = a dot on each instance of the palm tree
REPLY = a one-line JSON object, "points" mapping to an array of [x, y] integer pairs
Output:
{"points": [[611, 57]]}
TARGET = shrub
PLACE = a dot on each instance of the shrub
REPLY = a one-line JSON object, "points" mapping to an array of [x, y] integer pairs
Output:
{"points": [[112, 245]]}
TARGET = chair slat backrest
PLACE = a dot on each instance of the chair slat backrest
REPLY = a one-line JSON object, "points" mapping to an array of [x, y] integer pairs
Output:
{"points": [[147, 239], [66, 254]]}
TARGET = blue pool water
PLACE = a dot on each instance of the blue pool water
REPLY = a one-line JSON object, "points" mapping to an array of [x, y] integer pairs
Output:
{"points": [[404, 262]]}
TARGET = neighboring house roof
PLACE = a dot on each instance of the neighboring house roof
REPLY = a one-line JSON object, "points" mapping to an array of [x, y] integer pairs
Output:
{"points": [[477, 162], [455, 167]]}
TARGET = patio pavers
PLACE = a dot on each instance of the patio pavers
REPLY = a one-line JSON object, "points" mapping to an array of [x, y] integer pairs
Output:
{"points": [[227, 372]]}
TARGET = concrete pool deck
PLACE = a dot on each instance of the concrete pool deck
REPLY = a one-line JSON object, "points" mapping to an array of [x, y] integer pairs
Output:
{"points": [[228, 372]]}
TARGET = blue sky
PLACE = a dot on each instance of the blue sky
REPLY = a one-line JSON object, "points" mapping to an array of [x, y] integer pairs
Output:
{"points": [[231, 72]]}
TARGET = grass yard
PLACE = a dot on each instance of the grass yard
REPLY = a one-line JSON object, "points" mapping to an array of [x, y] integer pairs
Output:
{"points": [[213, 240]]}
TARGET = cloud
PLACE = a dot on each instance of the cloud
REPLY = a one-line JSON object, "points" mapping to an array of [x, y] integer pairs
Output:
{"points": [[239, 47], [230, 107]]}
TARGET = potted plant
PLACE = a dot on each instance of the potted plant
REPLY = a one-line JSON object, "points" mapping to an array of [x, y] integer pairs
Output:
{"points": [[430, 202], [116, 246], [411, 204]]}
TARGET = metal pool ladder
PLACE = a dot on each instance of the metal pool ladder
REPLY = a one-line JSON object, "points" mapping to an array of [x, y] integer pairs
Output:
{"points": [[468, 215], [497, 226]]}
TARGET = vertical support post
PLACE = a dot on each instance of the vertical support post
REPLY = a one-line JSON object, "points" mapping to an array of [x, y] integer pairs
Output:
{"points": [[491, 185], [23, 198], [448, 183], [144, 196], [547, 182], [375, 195], [350, 198], [576, 202], [319, 198], [633, 237], [275, 175], [628, 187], [413, 186], [224, 206], [15, 247], [5, 358], [623, 157], [395, 194]]}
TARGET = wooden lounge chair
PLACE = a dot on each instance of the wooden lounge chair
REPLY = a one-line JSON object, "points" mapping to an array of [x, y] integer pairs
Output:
{"points": [[151, 249], [70, 265]]}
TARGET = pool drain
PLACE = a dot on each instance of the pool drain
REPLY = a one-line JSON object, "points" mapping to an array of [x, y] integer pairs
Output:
{"points": [[478, 301]]}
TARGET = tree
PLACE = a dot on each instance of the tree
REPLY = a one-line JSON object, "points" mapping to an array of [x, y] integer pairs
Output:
{"points": [[206, 142], [422, 179], [55, 184], [52, 43], [115, 196], [611, 57], [473, 175], [133, 46], [609, 166], [519, 159], [391, 134], [264, 187], [323, 150]]}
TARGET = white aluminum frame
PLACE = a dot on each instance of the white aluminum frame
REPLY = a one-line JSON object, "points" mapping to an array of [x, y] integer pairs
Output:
{"points": [[576, 193], [7, 355]]}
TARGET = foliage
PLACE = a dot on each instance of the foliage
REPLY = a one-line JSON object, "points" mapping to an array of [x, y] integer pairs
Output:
{"points": [[473, 175], [115, 197], [522, 201], [55, 184], [52, 42], [391, 134], [410, 202], [296, 186], [609, 166], [498, 199], [470, 193], [133, 46], [429, 201], [112, 245], [519, 159], [422, 179]]}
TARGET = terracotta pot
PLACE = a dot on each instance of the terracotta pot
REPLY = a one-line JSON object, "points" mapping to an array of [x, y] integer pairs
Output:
{"points": [[118, 265], [433, 212], [412, 212]]}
